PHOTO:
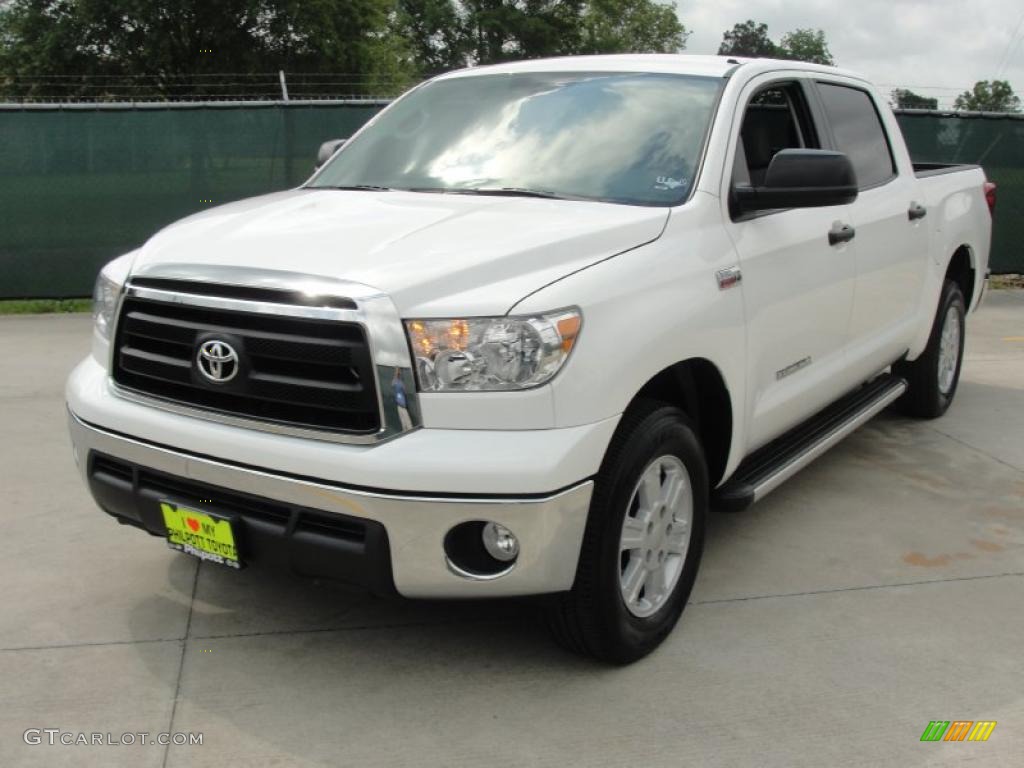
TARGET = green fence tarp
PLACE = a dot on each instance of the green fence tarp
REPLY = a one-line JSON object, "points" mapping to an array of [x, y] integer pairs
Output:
{"points": [[81, 184], [996, 143]]}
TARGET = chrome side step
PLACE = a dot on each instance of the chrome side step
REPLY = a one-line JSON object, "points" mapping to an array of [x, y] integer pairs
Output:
{"points": [[769, 467]]}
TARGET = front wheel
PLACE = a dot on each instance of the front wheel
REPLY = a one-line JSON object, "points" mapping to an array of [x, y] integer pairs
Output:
{"points": [[933, 377], [643, 541]]}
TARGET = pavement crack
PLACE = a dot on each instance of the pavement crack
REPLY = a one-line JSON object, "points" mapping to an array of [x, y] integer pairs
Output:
{"points": [[352, 628], [863, 588], [976, 449], [259, 633], [41, 394], [181, 662], [89, 644]]}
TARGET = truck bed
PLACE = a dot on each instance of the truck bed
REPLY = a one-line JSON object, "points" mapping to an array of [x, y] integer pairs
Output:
{"points": [[922, 170]]}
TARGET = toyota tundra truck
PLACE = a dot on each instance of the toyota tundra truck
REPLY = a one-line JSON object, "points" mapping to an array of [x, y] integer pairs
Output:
{"points": [[520, 332]]}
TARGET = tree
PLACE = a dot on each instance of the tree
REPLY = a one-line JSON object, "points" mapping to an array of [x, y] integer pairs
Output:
{"points": [[445, 33], [436, 34], [504, 30], [643, 26], [751, 39], [907, 99], [169, 43], [994, 96], [807, 45], [748, 39], [117, 51]]}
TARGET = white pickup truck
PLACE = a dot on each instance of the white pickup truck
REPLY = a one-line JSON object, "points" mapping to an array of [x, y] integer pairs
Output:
{"points": [[522, 330]]}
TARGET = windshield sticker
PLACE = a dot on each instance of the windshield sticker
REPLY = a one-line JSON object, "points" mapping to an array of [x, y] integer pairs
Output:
{"points": [[667, 182]]}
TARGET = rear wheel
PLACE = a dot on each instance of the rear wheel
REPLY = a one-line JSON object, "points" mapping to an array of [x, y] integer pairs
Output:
{"points": [[643, 541], [933, 377]]}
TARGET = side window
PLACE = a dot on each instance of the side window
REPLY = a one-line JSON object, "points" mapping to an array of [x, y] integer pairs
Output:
{"points": [[776, 118], [858, 132]]}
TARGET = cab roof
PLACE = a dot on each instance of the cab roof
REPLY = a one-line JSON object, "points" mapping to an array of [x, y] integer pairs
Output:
{"points": [[668, 63]]}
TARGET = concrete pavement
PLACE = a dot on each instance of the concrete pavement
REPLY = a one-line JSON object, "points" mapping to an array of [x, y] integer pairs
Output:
{"points": [[880, 589]]}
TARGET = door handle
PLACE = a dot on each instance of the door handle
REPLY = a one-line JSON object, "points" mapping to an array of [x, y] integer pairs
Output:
{"points": [[841, 233], [917, 211]]}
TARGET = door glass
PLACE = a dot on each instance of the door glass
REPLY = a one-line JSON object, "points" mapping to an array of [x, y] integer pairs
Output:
{"points": [[771, 122], [859, 133]]}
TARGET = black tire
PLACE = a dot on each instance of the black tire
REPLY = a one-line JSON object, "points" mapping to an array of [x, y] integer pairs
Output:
{"points": [[925, 398], [593, 619]]}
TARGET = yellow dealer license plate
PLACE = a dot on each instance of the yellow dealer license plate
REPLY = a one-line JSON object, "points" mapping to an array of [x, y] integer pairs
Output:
{"points": [[197, 533]]}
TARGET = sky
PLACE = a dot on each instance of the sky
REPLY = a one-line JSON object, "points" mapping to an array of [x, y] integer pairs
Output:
{"points": [[945, 45]]}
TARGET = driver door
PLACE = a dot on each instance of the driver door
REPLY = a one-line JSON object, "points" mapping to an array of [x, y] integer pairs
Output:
{"points": [[798, 289]]}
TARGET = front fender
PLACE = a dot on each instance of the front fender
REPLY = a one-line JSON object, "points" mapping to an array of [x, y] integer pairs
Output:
{"points": [[647, 309]]}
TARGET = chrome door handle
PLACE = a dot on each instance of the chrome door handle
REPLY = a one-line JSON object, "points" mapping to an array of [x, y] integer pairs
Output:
{"points": [[841, 233]]}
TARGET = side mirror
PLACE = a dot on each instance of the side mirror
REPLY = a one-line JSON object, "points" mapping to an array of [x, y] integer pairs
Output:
{"points": [[801, 178], [327, 149]]}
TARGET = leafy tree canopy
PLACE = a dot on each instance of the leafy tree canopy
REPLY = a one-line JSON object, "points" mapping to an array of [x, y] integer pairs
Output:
{"points": [[748, 39], [989, 96], [807, 45], [380, 45], [751, 39], [614, 26], [446, 33], [175, 42], [903, 98]]}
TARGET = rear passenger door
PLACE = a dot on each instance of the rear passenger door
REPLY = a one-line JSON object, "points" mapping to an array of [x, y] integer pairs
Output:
{"points": [[891, 244]]}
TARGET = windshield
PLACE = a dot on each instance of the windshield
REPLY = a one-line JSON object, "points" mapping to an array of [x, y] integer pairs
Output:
{"points": [[630, 138]]}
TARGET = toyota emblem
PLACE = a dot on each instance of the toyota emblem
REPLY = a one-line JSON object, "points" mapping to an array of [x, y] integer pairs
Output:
{"points": [[217, 361]]}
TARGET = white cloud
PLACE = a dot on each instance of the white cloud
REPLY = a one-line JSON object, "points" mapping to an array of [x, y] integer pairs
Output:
{"points": [[935, 47]]}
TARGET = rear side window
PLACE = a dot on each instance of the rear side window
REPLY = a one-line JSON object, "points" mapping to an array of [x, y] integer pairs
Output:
{"points": [[858, 132]]}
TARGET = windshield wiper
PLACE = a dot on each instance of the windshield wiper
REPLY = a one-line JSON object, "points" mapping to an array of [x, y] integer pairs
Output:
{"points": [[356, 187], [521, 192], [500, 191]]}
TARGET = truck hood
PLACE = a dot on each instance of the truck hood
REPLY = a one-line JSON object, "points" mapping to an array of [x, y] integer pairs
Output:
{"points": [[435, 254]]}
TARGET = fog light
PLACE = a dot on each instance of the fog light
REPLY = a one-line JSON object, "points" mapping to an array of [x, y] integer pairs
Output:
{"points": [[500, 542]]}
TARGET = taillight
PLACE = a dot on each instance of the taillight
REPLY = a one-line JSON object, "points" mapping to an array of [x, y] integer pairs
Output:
{"points": [[990, 197]]}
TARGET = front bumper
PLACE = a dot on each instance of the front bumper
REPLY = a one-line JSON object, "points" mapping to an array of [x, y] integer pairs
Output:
{"points": [[408, 528]]}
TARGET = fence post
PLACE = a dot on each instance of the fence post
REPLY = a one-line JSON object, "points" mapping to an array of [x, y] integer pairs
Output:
{"points": [[284, 85]]}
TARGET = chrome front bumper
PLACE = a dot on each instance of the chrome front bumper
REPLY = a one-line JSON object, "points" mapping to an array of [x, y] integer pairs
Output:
{"points": [[549, 528]]}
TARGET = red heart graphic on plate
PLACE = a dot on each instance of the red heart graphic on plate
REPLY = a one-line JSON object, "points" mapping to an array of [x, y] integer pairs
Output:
{"points": [[192, 523]]}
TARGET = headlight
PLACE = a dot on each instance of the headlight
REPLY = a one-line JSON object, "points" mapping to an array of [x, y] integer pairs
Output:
{"points": [[491, 353], [104, 303]]}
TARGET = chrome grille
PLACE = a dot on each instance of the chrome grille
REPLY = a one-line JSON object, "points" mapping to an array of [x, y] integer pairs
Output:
{"points": [[305, 372]]}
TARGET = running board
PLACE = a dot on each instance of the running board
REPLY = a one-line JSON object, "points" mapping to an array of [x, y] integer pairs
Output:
{"points": [[770, 466]]}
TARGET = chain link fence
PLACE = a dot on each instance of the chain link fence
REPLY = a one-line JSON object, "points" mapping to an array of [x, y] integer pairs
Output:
{"points": [[83, 183], [221, 86]]}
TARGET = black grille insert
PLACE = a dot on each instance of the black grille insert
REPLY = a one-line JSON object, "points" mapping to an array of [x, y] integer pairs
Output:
{"points": [[152, 487], [113, 468], [331, 525], [307, 541], [310, 373], [160, 486]]}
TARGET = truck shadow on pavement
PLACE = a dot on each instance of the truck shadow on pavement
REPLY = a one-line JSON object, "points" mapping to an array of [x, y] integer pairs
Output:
{"points": [[260, 602], [269, 656]]}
